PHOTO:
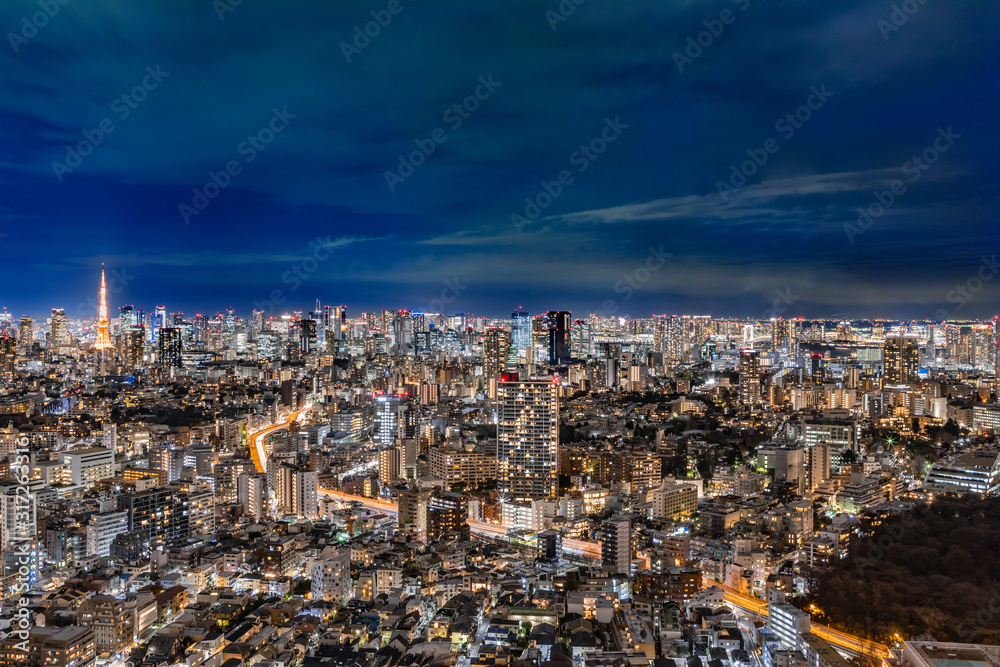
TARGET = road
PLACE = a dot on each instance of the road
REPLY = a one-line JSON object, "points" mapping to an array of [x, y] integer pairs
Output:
{"points": [[843, 642], [256, 440], [591, 549]]}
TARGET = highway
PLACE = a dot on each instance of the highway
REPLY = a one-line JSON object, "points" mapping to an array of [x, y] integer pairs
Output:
{"points": [[845, 643], [589, 549], [256, 440]]}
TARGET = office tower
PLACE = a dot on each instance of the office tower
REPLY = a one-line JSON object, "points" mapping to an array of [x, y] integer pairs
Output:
{"points": [[816, 370], [612, 363], [103, 341], [229, 321], [616, 546], [750, 377], [8, 357], [419, 323], [412, 508], [557, 326], [520, 336], [901, 359], [447, 512], [25, 335], [133, 349], [387, 408], [308, 336], [580, 340], [527, 437], [388, 465], [58, 335], [496, 346], [399, 329], [160, 514], [170, 347]]}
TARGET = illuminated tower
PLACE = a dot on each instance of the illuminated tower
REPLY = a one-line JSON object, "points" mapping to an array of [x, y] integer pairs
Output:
{"points": [[527, 437], [103, 336]]}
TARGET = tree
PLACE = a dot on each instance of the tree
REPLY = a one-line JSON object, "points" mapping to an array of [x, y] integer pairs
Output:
{"points": [[847, 457]]}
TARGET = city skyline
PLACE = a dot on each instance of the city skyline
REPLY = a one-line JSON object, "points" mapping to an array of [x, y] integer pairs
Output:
{"points": [[559, 157]]}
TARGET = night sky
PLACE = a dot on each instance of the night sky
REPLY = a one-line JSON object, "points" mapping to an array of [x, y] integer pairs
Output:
{"points": [[635, 130]]}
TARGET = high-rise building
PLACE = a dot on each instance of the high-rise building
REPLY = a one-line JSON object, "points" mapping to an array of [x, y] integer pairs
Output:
{"points": [[496, 347], [388, 465], [308, 336], [112, 626], [412, 509], [297, 490], [447, 512], [616, 546], [101, 531], [331, 579], [58, 334], [901, 359], [387, 408], [557, 326], [160, 513], [581, 344], [133, 349], [520, 336], [103, 341], [169, 347], [750, 377], [400, 333], [25, 335], [527, 437], [8, 357]]}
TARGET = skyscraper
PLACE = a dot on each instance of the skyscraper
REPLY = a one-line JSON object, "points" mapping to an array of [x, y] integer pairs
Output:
{"points": [[170, 347], [527, 437], [308, 336], [58, 335], [520, 335], [8, 357], [616, 546], [496, 345], [103, 341], [901, 359], [25, 335], [133, 349], [557, 326], [750, 377], [387, 408]]}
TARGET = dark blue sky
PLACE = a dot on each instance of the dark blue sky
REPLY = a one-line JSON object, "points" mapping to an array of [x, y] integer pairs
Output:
{"points": [[683, 122]]}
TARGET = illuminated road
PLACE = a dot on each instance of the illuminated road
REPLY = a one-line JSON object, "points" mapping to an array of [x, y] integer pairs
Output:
{"points": [[256, 440], [842, 641], [589, 549]]}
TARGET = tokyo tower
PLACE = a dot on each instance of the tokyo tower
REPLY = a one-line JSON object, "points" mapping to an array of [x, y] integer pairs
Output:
{"points": [[103, 336]]}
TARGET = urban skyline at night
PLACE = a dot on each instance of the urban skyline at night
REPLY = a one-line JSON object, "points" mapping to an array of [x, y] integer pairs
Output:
{"points": [[534, 333]]}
